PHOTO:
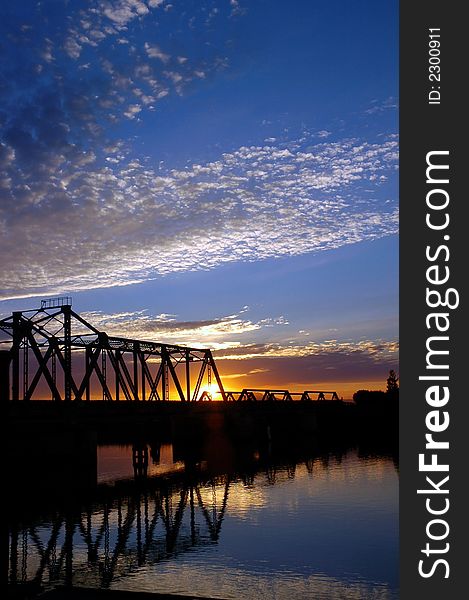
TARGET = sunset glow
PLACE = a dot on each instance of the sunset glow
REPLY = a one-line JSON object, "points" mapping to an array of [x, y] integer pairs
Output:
{"points": [[195, 174]]}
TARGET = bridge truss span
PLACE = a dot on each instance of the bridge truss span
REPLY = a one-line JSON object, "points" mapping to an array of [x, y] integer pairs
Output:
{"points": [[54, 351]]}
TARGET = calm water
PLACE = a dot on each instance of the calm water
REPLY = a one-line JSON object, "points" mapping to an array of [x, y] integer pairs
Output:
{"points": [[325, 527]]}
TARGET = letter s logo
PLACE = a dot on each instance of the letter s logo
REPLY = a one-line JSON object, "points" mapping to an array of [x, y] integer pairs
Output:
{"points": [[434, 568]]}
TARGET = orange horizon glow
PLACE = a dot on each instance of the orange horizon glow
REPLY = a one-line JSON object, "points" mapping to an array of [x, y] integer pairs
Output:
{"points": [[344, 390], [278, 378]]}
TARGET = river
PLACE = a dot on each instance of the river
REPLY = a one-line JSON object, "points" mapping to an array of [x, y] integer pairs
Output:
{"points": [[279, 524]]}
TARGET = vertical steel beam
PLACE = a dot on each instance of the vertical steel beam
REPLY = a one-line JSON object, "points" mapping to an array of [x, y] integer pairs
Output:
{"points": [[54, 369], [88, 351], [104, 372], [135, 361], [217, 375], [164, 372], [15, 351], [209, 377], [188, 376], [142, 361], [57, 354], [25, 368], [117, 374], [66, 310]]}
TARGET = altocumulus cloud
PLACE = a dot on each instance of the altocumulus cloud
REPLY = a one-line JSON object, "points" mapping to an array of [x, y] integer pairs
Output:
{"points": [[99, 58], [80, 210], [378, 351], [75, 224]]}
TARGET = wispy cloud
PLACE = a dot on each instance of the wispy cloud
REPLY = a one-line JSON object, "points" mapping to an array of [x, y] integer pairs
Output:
{"points": [[249, 373], [379, 106], [323, 133], [218, 333], [376, 350], [298, 367], [230, 336]]}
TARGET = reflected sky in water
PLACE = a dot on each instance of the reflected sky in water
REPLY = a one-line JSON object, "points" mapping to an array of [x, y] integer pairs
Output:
{"points": [[322, 528]]}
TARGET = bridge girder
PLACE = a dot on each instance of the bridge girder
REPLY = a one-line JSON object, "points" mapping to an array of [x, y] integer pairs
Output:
{"points": [[56, 346]]}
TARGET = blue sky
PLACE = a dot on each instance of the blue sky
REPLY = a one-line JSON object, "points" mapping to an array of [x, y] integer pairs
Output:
{"points": [[222, 173]]}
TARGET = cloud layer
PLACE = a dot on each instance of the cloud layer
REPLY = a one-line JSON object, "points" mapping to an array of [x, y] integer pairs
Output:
{"points": [[80, 209], [69, 223], [291, 363], [231, 336], [217, 333], [90, 64]]}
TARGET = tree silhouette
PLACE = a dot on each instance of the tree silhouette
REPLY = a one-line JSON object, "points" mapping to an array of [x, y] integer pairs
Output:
{"points": [[392, 383]]}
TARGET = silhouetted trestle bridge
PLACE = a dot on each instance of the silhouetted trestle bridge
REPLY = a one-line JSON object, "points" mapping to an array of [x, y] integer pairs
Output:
{"points": [[54, 351], [257, 394]]}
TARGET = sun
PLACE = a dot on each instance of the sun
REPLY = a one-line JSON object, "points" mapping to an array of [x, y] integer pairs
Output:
{"points": [[213, 390]]}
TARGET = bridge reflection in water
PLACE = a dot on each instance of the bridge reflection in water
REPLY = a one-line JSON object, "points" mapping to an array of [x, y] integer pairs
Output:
{"points": [[128, 524], [109, 540], [171, 510]]}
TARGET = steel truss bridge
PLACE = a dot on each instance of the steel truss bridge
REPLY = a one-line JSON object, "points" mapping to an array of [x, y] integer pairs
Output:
{"points": [[53, 348], [56, 346]]}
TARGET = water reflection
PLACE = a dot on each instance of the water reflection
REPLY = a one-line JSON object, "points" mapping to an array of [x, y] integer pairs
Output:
{"points": [[321, 524], [141, 460], [109, 540]]}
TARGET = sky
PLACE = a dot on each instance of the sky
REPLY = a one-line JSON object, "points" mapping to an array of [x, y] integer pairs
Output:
{"points": [[222, 174]]}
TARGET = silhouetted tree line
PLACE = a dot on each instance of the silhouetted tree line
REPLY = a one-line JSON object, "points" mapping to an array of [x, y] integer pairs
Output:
{"points": [[375, 398]]}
